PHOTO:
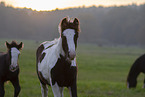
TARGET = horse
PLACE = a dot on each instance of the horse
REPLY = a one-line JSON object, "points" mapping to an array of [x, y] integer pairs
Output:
{"points": [[137, 68], [56, 60], [9, 67]]}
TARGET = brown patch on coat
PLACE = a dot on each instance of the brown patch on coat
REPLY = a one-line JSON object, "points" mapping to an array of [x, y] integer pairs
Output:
{"points": [[42, 57], [39, 51], [42, 79]]}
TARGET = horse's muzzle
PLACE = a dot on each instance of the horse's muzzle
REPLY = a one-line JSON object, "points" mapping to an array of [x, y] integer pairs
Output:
{"points": [[72, 55], [13, 69]]}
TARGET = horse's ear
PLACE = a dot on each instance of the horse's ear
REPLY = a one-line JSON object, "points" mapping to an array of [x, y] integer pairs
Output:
{"points": [[7, 45], [64, 22], [20, 46], [76, 24], [76, 21]]}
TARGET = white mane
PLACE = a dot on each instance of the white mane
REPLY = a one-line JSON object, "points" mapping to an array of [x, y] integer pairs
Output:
{"points": [[49, 43]]}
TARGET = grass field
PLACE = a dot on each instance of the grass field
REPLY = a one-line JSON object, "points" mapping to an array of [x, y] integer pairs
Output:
{"points": [[102, 71]]}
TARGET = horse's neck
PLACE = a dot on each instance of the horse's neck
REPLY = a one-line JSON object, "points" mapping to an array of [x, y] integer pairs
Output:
{"points": [[59, 49], [134, 72], [7, 58]]}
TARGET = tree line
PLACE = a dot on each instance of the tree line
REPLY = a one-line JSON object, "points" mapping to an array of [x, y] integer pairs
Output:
{"points": [[123, 25]]}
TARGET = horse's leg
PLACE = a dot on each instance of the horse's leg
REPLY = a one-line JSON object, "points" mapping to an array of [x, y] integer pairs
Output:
{"points": [[73, 90], [2, 91], [144, 83], [16, 85], [57, 91], [44, 90]]}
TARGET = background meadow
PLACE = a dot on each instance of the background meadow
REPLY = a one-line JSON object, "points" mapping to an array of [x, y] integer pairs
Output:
{"points": [[102, 71]]}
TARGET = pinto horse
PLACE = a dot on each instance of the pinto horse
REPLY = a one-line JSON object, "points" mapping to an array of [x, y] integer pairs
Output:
{"points": [[9, 67], [56, 60], [137, 67]]}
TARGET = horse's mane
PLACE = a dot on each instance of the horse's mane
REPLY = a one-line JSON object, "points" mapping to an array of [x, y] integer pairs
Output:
{"points": [[48, 43]]}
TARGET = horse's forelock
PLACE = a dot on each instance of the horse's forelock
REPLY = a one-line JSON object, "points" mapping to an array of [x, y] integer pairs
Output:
{"points": [[14, 44], [69, 23]]}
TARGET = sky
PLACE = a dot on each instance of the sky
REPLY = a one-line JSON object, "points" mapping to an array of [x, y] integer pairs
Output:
{"points": [[62, 4]]}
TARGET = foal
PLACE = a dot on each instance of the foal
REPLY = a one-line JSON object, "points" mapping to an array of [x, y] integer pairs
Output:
{"points": [[9, 68], [56, 60]]}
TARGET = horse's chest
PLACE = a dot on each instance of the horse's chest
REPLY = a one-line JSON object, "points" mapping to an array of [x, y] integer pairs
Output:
{"points": [[63, 73], [10, 75]]}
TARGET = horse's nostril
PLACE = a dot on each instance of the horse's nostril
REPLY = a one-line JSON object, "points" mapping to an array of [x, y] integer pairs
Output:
{"points": [[72, 55], [72, 58], [13, 68]]}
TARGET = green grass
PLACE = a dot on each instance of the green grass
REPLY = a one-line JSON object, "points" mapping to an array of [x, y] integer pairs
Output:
{"points": [[102, 71]]}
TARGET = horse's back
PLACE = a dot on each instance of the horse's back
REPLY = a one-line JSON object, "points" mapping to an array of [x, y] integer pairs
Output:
{"points": [[3, 65], [39, 51], [43, 46], [48, 44], [140, 63], [2, 57], [140, 60]]}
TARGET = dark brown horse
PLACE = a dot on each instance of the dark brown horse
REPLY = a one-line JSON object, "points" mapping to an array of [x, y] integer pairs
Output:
{"points": [[137, 68], [9, 67]]}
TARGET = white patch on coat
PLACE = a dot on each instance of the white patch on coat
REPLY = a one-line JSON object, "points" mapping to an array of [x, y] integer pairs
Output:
{"points": [[44, 90], [57, 91], [50, 59], [70, 91], [14, 57], [69, 34], [49, 43], [73, 63]]}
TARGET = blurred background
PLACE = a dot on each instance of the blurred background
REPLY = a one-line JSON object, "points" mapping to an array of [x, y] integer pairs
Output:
{"points": [[102, 23]]}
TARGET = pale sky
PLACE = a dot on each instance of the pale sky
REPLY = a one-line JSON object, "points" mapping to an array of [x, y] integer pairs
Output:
{"points": [[61, 4]]}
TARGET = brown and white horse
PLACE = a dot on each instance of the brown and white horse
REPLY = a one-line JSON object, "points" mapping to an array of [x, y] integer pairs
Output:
{"points": [[9, 67], [56, 60]]}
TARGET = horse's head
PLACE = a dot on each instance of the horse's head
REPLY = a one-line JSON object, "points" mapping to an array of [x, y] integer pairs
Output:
{"points": [[69, 30], [131, 82], [14, 51]]}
